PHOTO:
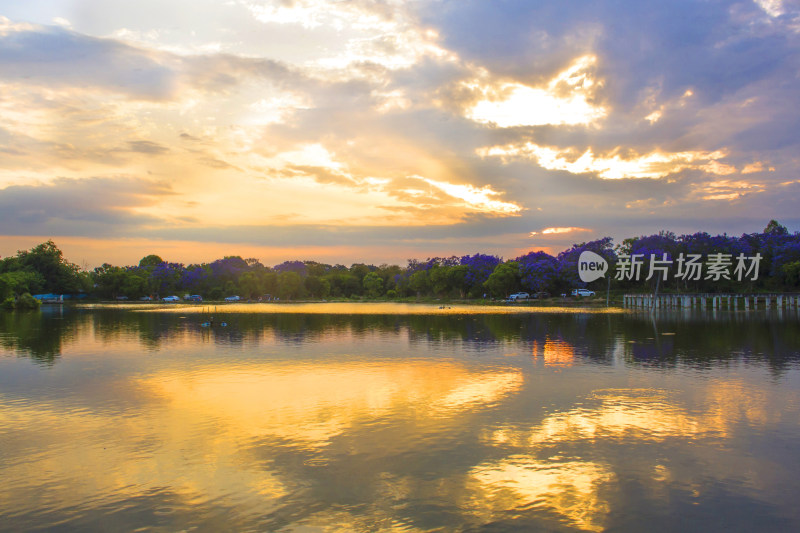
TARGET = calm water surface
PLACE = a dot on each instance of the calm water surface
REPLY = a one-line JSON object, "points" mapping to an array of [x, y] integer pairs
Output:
{"points": [[398, 418]]}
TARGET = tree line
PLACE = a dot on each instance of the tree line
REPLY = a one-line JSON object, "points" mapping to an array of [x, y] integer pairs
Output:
{"points": [[662, 257]]}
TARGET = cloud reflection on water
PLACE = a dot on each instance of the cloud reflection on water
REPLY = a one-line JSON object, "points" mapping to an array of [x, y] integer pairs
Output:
{"points": [[201, 430], [401, 423], [552, 465], [308, 405]]}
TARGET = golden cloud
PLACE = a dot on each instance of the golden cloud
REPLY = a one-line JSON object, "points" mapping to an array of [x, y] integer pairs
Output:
{"points": [[614, 165], [559, 231], [567, 99]]}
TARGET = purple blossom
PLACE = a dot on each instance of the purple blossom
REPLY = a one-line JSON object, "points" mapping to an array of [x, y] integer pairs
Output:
{"points": [[568, 259], [480, 266], [292, 266], [193, 278], [229, 268], [539, 271], [166, 277]]}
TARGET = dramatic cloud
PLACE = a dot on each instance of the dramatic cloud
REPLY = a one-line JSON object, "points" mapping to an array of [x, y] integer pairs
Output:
{"points": [[430, 127]]}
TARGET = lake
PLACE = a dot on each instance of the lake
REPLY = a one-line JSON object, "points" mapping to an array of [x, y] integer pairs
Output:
{"points": [[392, 417]]}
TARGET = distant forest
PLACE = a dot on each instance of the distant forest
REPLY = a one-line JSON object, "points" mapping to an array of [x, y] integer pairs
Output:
{"points": [[43, 269]]}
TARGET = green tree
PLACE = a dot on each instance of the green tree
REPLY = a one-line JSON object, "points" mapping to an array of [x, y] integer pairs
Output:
{"points": [[419, 282], [457, 279], [230, 288], [150, 261], [250, 285], [112, 281], [134, 285], [19, 282], [439, 280], [253, 263], [389, 274], [269, 282], [504, 280], [359, 270], [59, 275], [343, 283], [774, 228], [373, 284], [790, 272], [316, 269], [317, 287], [26, 301], [290, 285]]}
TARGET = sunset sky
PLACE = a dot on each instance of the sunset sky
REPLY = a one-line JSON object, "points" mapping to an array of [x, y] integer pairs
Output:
{"points": [[377, 131]]}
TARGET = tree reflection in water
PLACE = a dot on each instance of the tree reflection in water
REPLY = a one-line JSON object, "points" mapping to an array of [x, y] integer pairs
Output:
{"points": [[666, 340]]}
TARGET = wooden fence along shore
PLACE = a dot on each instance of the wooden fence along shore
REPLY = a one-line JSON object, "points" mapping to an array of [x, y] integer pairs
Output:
{"points": [[712, 301]]}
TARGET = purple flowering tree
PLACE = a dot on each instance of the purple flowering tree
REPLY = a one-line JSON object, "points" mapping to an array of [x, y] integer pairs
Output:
{"points": [[539, 272], [228, 269], [568, 261], [298, 267], [480, 267], [165, 278], [194, 279]]}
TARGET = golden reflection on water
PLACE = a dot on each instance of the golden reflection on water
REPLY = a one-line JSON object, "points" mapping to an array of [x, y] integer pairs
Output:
{"points": [[199, 431], [309, 405], [572, 489], [576, 489], [647, 414], [356, 308], [213, 432], [555, 352]]}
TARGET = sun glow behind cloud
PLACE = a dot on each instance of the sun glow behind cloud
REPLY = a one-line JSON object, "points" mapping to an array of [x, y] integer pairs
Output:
{"points": [[559, 231], [275, 109], [565, 100]]}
